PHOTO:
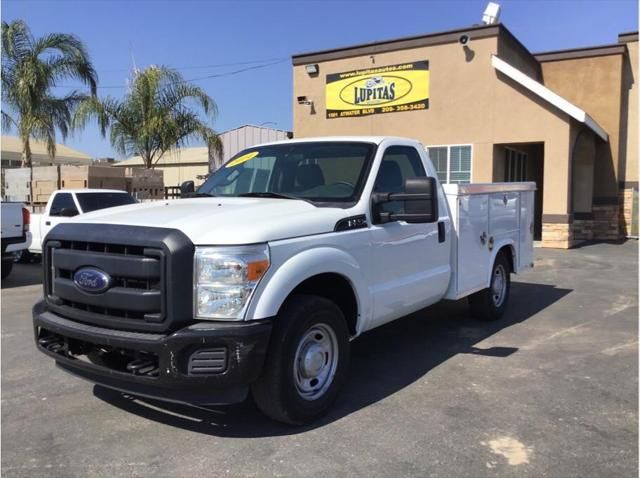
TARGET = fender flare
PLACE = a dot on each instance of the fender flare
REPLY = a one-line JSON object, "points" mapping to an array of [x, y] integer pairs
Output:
{"points": [[499, 245], [271, 294]]}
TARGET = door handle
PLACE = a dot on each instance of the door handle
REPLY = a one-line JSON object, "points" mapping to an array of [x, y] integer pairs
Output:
{"points": [[47, 223], [483, 238], [441, 232]]}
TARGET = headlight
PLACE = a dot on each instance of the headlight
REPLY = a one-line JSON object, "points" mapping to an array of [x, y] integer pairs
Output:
{"points": [[225, 278]]}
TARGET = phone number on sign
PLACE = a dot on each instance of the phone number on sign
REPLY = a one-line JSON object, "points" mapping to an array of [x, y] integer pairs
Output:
{"points": [[418, 106]]}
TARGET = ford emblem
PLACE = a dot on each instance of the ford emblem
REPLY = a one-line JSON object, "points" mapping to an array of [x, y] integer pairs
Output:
{"points": [[92, 280]]}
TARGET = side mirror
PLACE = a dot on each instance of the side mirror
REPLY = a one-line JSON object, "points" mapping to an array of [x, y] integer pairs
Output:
{"points": [[186, 188], [420, 202], [68, 212]]}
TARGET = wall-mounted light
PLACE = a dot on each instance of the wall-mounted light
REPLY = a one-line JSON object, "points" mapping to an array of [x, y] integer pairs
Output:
{"points": [[312, 70], [303, 100]]}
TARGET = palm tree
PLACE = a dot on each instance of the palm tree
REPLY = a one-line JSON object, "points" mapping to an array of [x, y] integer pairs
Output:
{"points": [[155, 115], [31, 68]]}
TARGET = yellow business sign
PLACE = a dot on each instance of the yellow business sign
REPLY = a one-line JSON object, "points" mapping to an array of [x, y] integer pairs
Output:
{"points": [[386, 89]]}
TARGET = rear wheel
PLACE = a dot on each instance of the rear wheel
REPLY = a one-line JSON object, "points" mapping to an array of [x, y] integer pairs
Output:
{"points": [[22, 257], [307, 361], [490, 303]]}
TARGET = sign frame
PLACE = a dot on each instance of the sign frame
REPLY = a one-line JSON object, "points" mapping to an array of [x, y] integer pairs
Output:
{"points": [[387, 89]]}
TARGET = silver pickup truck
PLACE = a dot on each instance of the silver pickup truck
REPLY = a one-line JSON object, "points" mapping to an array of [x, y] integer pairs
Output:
{"points": [[15, 233]]}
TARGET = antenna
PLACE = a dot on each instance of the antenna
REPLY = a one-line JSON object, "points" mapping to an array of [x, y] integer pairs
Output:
{"points": [[133, 59], [491, 14]]}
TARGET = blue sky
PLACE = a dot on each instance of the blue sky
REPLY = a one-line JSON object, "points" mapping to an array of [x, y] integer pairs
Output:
{"points": [[192, 34]]}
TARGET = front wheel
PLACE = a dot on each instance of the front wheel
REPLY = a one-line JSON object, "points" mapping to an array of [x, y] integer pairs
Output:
{"points": [[307, 361], [490, 303]]}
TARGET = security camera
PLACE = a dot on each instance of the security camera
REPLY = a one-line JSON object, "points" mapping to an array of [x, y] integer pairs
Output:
{"points": [[463, 40]]}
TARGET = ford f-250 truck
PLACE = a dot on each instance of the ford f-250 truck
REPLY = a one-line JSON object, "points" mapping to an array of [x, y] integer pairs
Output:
{"points": [[260, 279]]}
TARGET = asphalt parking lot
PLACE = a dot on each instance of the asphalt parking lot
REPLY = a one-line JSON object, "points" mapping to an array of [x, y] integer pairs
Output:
{"points": [[550, 390]]}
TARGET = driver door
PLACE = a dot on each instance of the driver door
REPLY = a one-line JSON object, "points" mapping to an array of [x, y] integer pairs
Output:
{"points": [[62, 206], [407, 258]]}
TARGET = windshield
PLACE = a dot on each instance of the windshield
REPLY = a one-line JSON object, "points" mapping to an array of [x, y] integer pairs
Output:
{"points": [[329, 172], [94, 201]]}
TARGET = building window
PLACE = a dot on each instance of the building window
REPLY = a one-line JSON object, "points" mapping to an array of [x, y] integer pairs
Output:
{"points": [[516, 166], [452, 163]]}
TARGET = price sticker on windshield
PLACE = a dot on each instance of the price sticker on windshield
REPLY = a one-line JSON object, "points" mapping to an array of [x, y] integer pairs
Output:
{"points": [[242, 159]]}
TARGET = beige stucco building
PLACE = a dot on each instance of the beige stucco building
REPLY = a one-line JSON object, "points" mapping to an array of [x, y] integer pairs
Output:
{"points": [[11, 154], [489, 110]]}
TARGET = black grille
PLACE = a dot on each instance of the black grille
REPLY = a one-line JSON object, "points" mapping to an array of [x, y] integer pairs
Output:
{"points": [[136, 288], [142, 293]]}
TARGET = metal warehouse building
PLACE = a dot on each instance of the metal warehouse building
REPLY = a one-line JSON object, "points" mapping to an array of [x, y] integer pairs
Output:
{"points": [[490, 110], [195, 163]]}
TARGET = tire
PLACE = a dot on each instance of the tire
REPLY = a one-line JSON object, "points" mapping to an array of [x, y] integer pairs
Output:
{"points": [[490, 303], [22, 257], [7, 265], [310, 341]]}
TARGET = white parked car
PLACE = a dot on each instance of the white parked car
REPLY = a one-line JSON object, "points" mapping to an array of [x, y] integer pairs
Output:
{"points": [[259, 281], [67, 203]]}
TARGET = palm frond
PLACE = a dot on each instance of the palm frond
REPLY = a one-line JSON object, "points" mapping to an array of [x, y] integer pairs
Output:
{"points": [[17, 41], [72, 67], [8, 123], [30, 69]]}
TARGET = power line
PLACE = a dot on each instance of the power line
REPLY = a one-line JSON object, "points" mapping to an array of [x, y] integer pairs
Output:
{"points": [[207, 77], [204, 67], [242, 70]]}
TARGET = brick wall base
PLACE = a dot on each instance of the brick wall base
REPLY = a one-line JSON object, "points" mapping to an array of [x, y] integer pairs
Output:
{"points": [[606, 222], [625, 197], [559, 236], [582, 230], [603, 225]]}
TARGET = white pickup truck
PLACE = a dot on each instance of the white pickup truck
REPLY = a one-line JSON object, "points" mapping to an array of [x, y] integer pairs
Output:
{"points": [[261, 278], [67, 203], [15, 235]]}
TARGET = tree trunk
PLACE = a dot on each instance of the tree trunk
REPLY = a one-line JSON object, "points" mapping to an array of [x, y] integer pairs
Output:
{"points": [[26, 152], [146, 159], [27, 163]]}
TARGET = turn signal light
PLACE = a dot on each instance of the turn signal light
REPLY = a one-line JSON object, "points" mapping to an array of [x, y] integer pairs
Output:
{"points": [[255, 270]]}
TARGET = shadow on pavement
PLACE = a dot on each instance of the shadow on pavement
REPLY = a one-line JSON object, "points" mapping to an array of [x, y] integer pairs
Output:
{"points": [[23, 275], [383, 361]]}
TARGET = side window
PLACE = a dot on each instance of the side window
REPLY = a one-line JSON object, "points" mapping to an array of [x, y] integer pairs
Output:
{"points": [[399, 163], [63, 202]]}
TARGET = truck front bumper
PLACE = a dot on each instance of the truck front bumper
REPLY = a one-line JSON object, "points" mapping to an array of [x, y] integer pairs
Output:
{"points": [[206, 363]]}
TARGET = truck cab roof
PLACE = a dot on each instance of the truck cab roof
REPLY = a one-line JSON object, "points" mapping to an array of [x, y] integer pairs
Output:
{"points": [[332, 139], [80, 191]]}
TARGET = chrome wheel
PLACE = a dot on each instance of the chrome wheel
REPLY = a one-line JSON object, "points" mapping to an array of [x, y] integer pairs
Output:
{"points": [[499, 285], [315, 362]]}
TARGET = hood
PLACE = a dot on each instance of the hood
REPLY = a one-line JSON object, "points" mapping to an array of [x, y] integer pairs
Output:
{"points": [[225, 221]]}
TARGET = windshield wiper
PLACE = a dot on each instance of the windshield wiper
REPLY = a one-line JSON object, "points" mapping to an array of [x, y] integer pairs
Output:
{"points": [[274, 196], [267, 195], [198, 195]]}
